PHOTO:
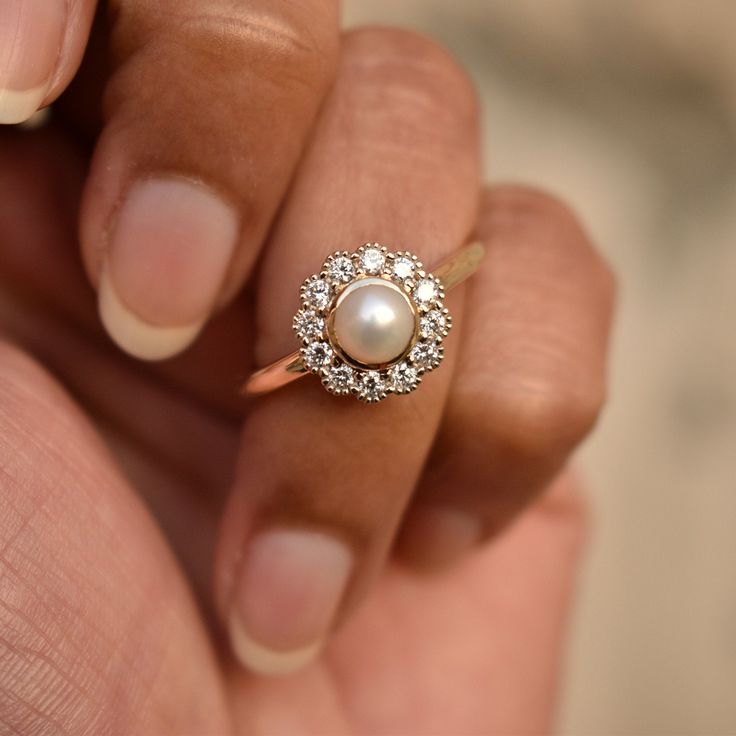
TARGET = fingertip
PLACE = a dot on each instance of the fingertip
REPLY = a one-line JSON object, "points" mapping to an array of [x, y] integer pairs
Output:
{"points": [[136, 337], [19, 106], [262, 660], [164, 265], [286, 597], [32, 34]]}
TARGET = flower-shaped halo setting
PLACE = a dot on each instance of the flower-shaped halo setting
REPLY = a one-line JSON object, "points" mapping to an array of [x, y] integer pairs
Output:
{"points": [[372, 323]]}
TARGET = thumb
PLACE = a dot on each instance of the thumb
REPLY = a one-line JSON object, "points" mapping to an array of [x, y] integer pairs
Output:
{"points": [[41, 46], [99, 631]]}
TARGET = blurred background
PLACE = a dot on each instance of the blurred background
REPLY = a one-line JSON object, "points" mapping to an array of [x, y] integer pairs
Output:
{"points": [[627, 110]]}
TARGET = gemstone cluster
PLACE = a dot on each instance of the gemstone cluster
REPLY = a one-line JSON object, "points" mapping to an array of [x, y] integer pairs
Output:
{"points": [[371, 323]]}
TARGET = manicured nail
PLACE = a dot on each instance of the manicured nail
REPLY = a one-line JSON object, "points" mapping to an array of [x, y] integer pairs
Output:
{"points": [[435, 536], [31, 34], [288, 591], [167, 258]]}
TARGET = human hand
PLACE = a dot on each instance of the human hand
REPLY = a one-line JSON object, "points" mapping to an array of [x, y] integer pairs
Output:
{"points": [[209, 130]]}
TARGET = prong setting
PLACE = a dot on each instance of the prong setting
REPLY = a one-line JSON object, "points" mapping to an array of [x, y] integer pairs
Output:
{"points": [[372, 265]]}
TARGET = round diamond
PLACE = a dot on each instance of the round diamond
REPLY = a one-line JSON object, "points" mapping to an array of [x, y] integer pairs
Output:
{"points": [[318, 293], [317, 355], [341, 270], [426, 291], [403, 268], [340, 379], [308, 324], [433, 323], [371, 387], [372, 260], [403, 377], [426, 355]]}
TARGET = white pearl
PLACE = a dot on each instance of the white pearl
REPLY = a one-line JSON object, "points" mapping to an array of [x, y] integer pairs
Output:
{"points": [[373, 321]]}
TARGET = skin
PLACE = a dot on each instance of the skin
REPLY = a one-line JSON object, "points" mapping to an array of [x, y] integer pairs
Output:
{"points": [[128, 492]]}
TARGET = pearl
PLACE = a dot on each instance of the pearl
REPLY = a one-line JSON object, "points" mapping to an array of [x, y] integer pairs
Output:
{"points": [[373, 321]]}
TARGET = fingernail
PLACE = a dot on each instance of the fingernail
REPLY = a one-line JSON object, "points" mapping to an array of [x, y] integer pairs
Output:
{"points": [[167, 258], [31, 33], [287, 594], [435, 536]]}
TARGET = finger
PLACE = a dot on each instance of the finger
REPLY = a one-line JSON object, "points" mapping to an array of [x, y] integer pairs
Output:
{"points": [[206, 113], [41, 45], [530, 380], [100, 633], [323, 481], [497, 624], [41, 172], [45, 306]]}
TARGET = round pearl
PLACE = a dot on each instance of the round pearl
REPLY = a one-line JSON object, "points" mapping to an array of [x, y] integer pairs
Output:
{"points": [[373, 321]]}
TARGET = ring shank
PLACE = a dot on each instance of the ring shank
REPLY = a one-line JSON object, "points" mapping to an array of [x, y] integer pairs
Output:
{"points": [[274, 376], [452, 271]]}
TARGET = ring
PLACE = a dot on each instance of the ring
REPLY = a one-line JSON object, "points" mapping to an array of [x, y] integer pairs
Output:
{"points": [[371, 323]]}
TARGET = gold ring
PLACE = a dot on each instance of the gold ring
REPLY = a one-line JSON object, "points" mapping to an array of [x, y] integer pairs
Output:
{"points": [[371, 323]]}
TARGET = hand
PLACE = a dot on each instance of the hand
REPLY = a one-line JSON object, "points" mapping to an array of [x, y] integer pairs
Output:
{"points": [[213, 123]]}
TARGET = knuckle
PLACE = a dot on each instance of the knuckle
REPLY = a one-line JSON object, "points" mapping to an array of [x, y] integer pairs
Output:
{"points": [[532, 211], [417, 75], [524, 200], [282, 37], [214, 47], [548, 384], [543, 217], [556, 421], [541, 422]]}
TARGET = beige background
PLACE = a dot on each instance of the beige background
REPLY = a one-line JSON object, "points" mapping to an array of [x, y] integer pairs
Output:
{"points": [[628, 110]]}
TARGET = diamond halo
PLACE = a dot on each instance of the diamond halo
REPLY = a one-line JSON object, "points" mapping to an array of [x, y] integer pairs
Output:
{"points": [[321, 353]]}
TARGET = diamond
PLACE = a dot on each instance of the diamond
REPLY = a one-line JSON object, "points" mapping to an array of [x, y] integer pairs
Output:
{"points": [[426, 291], [403, 268], [340, 379], [426, 355], [433, 323], [317, 355], [371, 387], [341, 270], [403, 377], [308, 324], [372, 260], [318, 293]]}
